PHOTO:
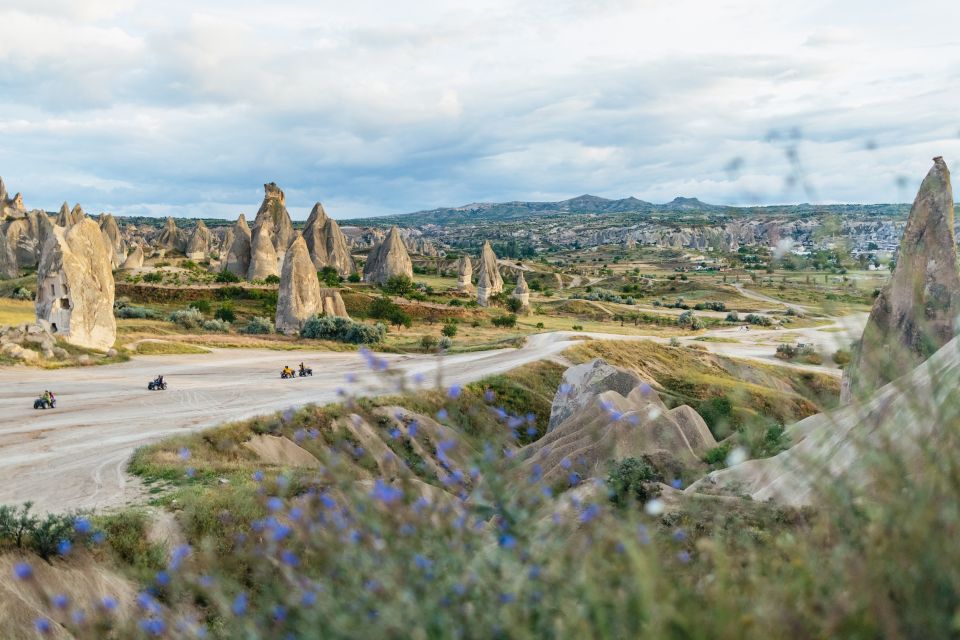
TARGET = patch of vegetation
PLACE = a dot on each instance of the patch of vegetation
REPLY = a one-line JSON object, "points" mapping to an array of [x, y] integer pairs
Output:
{"points": [[343, 330], [631, 481], [257, 325]]}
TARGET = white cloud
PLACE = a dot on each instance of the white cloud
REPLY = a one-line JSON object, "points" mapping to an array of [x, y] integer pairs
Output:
{"points": [[376, 107]]}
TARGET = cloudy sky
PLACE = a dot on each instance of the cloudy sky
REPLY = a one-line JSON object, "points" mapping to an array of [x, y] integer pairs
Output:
{"points": [[186, 107]]}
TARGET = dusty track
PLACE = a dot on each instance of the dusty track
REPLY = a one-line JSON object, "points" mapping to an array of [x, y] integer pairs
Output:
{"points": [[75, 456]]}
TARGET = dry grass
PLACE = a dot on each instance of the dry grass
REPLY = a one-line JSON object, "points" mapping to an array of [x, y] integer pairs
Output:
{"points": [[164, 347], [16, 311]]}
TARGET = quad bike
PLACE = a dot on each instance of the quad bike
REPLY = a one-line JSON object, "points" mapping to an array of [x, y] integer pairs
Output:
{"points": [[156, 385], [43, 403], [287, 374], [306, 371]]}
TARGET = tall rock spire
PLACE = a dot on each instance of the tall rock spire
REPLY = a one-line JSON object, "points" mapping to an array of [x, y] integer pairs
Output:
{"points": [[916, 312]]}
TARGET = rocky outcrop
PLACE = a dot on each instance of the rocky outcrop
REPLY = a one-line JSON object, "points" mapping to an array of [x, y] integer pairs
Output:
{"points": [[331, 303], [75, 288], [30, 342], [198, 247], [522, 293], [69, 217], [113, 239], [10, 207], [326, 243], [8, 261], [170, 237], [465, 274], [488, 263], [299, 296], [601, 414], [25, 237], [134, 259], [388, 259], [916, 312], [483, 289], [263, 257], [274, 215], [899, 423], [237, 259]]}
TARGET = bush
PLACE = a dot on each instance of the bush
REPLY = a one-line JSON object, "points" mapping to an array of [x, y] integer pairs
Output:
{"points": [[718, 414], [153, 276], [127, 310], [220, 326], [225, 313], [689, 320], [628, 481], [354, 277], [22, 293], [385, 309], [719, 454], [540, 325], [449, 329], [733, 316], [46, 534], [428, 342], [577, 327], [272, 279], [399, 285], [258, 326], [188, 318], [762, 321], [445, 343], [841, 357], [507, 321], [203, 306], [342, 330], [227, 276], [329, 276]]}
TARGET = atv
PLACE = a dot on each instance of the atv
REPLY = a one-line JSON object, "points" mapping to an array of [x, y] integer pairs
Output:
{"points": [[156, 385], [287, 374], [43, 403], [306, 371]]}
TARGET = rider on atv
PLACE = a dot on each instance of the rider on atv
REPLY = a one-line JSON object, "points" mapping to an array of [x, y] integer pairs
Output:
{"points": [[287, 372], [303, 370]]}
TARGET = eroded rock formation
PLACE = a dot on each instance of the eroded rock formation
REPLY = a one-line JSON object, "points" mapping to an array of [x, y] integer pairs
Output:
{"points": [[10, 207], [388, 259], [488, 263], [75, 288], [326, 243], [134, 258], [522, 293], [916, 312], [113, 239], [237, 259], [170, 237], [263, 256], [299, 297], [465, 274], [198, 247], [274, 215]]}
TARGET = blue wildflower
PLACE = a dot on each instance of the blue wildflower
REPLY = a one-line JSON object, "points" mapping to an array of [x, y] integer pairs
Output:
{"points": [[239, 606], [385, 493], [184, 453], [109, 603], [42, 625], [308, 599], [64, 547], [508, 541], [22, 571], [82, 526], [591, 512], [163, 578], [442, 414], [60, 601], [275, 504], [454, 391], [258, 476], [153, 626], [289, 558], [677, 483]]}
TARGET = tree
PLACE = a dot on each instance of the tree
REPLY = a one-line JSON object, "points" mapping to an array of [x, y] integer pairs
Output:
{"points": [[399, 285], [449, 329], [514, 305], [328, 275]]}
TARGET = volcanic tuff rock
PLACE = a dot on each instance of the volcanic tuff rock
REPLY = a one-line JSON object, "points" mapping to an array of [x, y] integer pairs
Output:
{"points": [[198, 247], [238, 251], [299, 295], [916, 312], [273, 213], [134, 259], [25, 237], [465, 274], [69, 217], [114, 239], [331, 303], [170, 238], [483, 289], [326, 243], [488, 263], [8, 261], [388, 259], [12, 207], [522, 292], [75, 288], [263, 257], [899, 423], [601, 414]]}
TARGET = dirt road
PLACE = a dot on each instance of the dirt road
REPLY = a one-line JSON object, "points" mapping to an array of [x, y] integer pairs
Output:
{"points": [[75, 456]]}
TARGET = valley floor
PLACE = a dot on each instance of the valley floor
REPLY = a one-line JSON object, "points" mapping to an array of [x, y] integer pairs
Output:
{"points": [[74, 457]]}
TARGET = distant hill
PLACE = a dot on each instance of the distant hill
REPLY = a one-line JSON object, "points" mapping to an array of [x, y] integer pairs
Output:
{"points": [[628, 208]]}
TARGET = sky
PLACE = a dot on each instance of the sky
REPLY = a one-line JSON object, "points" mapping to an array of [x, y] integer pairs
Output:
{"points": [[186, 107]]}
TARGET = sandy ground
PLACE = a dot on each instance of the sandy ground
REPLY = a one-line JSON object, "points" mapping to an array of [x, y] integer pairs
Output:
{"points": [[74, 457]]}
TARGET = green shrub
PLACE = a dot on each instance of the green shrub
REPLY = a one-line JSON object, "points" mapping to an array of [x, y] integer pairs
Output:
{"points": [[450, 329], [354, 277], [717, 456], [48, 532], [189, 318], [428, 342], [272, 279], [514, 305], [733, 316], [763, 321], [123, 309], [400, 285], [217, 325], [540, 325], [257, 325], [203, 306], [841, 357], [227, 276], [343, 330], [22, 293], [153, 277], [690, 321], [328, 276], [226, 313], [577, 327], [506, 321], [629, 481]]}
